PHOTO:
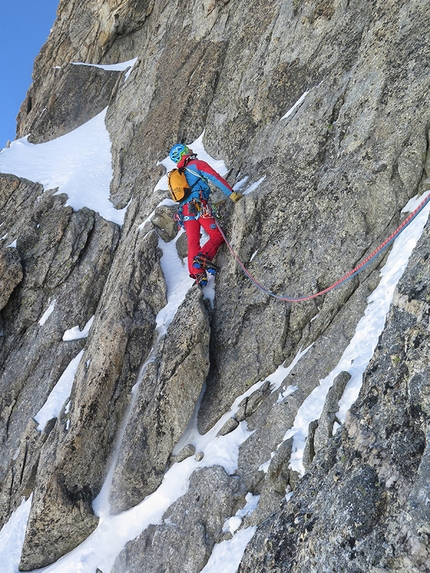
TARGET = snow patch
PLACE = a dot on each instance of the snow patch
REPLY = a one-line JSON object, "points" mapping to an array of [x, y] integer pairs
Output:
{"points": [[254, 186], [233, 523], [240, 183], [177, 280], [76, 334], [287, 392], [295, 106], [12, 538], [78, 164], [120, 67], [282, 372], [227, 555], [59, 394], [47, 313]]}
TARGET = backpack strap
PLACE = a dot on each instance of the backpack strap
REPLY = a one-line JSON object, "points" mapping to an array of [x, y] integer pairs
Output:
{"points": [[200, 178], [190, 188]]}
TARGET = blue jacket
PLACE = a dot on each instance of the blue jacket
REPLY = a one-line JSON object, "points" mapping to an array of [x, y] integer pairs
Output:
{"points": [[197, 173]]}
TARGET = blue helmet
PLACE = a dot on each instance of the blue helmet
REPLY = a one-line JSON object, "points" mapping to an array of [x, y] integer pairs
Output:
{"points": [[178, 151]]}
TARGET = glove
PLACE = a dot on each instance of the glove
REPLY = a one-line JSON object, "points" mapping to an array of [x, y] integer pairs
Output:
{"points": [[235, 197]]}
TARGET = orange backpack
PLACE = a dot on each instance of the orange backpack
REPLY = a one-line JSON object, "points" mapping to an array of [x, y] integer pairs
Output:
{"points": [[178, 185]]}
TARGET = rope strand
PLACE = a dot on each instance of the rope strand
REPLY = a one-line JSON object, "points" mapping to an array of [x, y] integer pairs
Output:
{"points": [[348, 276]]}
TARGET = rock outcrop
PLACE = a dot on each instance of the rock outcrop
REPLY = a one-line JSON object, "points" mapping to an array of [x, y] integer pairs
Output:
{"points": [[190, 527], [176, 375], [319, 109]]}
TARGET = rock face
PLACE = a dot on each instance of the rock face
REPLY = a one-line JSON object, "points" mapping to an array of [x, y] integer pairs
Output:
{"points": [[320, 111], [176, 375], [11, 273], [61, 115], [362, 506]]}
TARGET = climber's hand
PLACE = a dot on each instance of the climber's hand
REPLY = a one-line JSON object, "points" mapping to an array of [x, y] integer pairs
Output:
{"points": [[235, 197]]}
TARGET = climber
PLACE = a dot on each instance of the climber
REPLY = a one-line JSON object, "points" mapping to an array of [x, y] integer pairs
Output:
{"points": [[195, 212]]}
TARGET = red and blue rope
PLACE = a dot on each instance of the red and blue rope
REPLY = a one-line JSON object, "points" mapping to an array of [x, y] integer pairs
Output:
{"points": [[348, 276]]}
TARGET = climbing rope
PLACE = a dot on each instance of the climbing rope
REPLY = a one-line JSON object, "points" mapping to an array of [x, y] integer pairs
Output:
{"points": [[348, 276]]}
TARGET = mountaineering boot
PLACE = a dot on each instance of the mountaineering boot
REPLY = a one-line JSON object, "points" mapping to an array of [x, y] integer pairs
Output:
{"points": [[201, 261], [201, 279]]}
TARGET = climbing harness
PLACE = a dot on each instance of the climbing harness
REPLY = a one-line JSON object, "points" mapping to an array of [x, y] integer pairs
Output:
{"points": [[197, 208], [348, 276]]}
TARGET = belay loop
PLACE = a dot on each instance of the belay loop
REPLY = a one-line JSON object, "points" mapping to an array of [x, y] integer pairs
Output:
{"points": [[206, 209], [200, 208], [345, 277], [197, 208]]}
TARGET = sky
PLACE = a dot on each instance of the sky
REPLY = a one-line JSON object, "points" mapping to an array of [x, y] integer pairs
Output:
{"points": [[59, 164], [24, 28]]}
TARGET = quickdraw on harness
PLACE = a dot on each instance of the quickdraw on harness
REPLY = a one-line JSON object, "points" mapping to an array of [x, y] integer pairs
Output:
{"points": [[197, 208], [343, 279]]}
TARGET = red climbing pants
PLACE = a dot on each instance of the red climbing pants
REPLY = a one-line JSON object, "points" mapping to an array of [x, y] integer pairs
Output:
{"points": [[192, 229]]}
